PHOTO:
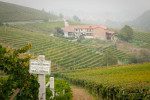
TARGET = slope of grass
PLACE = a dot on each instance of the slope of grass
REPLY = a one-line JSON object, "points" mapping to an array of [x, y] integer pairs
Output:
{"points": [[45, 27], [124, 82], [11, 12]]}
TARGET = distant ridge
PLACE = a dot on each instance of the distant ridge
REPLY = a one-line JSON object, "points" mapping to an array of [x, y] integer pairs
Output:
{"points": [[12, 12], [143, 21]]}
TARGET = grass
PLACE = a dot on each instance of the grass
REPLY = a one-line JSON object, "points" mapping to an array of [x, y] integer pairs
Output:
{"points": [[11, 12], [46, 27]]}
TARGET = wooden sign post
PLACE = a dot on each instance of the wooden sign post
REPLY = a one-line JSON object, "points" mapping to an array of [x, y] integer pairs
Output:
{"points": [[40, 67], [52, 86]]}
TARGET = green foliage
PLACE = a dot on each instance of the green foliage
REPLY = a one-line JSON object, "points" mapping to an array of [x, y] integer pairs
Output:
{"points": [[15, 64], [62, 91], [48, 93], [80, 38], [58, 32], [129, 82], [126, 33]]}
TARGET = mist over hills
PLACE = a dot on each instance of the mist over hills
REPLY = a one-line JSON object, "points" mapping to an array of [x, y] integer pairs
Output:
{"points": [[12, 12], [142, 22]]}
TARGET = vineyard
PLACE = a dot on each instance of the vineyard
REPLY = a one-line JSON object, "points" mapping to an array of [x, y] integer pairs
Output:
{"points": [[60, 51], [142, 39], [116, 82]]}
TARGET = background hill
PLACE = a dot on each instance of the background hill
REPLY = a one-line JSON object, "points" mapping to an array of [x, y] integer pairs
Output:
{"points": [[12, 12], [143, 21]]}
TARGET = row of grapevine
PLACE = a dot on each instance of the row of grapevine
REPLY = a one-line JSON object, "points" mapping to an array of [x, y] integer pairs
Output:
{"points": [[130, 82], [142, 39]]}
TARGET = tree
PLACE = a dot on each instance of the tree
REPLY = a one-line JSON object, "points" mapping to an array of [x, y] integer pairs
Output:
{"points": [[126, 33], [76, 18], [19, 83], [80, 38], [58, 32]]}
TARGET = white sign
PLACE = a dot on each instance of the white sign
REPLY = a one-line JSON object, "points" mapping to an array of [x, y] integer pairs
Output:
{"points": [[39, 67]]}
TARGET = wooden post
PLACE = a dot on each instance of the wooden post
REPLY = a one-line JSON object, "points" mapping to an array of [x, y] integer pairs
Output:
{"points": [[41, 80], [52, 86], [42, 91]]}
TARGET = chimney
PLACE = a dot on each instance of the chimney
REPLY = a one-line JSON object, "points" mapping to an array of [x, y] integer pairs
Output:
{"points": [[66, 23]]}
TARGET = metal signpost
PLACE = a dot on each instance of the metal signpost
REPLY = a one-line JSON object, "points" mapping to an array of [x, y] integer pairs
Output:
{"points": [[40, 67]]}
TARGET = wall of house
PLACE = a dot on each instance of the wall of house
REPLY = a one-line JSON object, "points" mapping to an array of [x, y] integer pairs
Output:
{"points": [[100, 34], [66, 34]]}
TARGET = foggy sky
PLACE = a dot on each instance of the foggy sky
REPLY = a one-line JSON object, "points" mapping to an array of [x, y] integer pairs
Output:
{"points": [[91, 9]]}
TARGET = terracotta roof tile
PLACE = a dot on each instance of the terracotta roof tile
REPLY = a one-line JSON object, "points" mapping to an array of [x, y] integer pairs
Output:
{"points": [[72, 27]]}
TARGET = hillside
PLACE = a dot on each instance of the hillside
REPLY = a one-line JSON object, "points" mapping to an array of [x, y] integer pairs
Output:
{"points": [[64, 53], [11, 12], [128, 82], [143, 21]]}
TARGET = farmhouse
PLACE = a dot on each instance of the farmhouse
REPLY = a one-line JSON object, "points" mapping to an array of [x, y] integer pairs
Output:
{"points": [[88, 31]]}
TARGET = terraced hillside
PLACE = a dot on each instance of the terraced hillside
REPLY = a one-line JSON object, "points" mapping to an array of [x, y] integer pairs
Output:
{"points": [[128, 82], [60, 51]]}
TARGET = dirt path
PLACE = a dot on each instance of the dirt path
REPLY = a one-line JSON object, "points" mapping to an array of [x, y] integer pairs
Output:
{"points": [[81, 94]]}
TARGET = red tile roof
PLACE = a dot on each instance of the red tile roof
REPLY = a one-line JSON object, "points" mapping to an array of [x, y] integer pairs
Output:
{"points": [[72, 28]]}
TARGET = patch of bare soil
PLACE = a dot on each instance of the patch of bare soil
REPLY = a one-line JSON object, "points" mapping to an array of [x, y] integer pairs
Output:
{"points": [[81, 94]]}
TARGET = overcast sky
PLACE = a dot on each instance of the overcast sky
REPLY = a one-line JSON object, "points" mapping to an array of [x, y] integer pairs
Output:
{"points": [[104, 9]]}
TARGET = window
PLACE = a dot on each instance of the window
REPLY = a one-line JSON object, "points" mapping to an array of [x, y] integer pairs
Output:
{"points": [[88, 34], [71, 34]]}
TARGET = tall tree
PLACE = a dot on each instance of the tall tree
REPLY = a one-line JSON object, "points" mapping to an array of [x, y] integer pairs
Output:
{"points": [[126, 33]]}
